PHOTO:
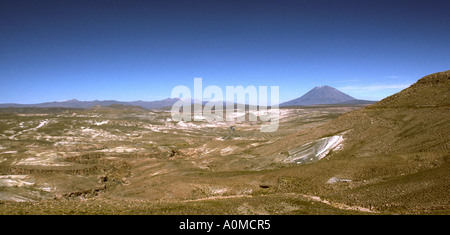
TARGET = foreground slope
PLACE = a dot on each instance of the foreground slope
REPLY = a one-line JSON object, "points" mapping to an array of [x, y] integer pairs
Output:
{"points": [[405, 136], [395, 152]]}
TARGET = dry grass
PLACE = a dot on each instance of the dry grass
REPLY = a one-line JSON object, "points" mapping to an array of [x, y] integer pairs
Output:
{"points": [[395, 157]]}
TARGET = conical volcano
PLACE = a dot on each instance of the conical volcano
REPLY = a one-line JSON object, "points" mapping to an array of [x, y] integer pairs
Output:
{"points": [[321, 95]]}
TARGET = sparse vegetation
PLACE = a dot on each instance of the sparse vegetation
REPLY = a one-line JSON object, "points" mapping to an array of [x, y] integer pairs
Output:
{"points": [[394, 160]]}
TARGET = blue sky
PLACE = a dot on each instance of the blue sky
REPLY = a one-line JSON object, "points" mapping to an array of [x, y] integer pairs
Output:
{"points": [[140, 50]]}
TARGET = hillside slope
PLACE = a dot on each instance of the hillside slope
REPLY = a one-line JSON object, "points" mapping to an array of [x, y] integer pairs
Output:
{"points": [[405, 142], [395, 152]]}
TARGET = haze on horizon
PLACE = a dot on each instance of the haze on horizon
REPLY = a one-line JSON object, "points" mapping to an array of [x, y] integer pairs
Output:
{"points": [[140, 50]]}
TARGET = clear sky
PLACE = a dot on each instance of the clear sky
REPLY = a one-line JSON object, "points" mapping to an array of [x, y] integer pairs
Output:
{"points": [[140, 50]]}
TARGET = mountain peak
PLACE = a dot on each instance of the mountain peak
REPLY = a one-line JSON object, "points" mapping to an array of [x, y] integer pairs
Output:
{"points": [[320, 95], [72, 100], [324, 87]]}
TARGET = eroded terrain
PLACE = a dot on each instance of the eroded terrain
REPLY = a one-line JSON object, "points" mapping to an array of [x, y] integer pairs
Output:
{"points": [[116, 160], [78, 154]]}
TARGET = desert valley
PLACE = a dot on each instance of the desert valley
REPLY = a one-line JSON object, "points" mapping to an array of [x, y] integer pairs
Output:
{"points": [[388, 157]]}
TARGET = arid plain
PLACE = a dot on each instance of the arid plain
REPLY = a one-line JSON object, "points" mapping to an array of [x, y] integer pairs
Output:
{"points": [[391, 157]]}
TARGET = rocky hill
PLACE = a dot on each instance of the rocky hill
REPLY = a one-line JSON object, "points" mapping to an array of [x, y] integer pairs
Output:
{"points": [[396, 151]]}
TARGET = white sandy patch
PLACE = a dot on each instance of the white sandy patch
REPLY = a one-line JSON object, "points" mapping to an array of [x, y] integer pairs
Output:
{"points": [[234, 115], [202, 165], [332, 143], [32, 114], [186, 124], [87, 116], [43, 123], [316, 150], [218, 191], [42, 159], [269, 112], [340, 205], [340, 146], [334, 180], [65, 143], [211, 125], [48, 189], [284, 113], [101, 123], [198, 117], [121, 150], [13, 137], [14, 180], [159, 172], [218, 198], [32, 161], [228, 150], [87, 129], [151, 127], [5, 196]]}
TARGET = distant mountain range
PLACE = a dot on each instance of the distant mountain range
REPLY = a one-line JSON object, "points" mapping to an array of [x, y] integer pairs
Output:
{"points": [[318, 95], [325, 95], [88, 104]]}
